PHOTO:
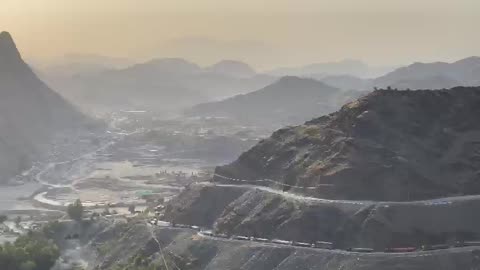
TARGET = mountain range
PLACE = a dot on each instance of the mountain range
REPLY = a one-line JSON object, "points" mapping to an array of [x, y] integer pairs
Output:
{"points": [[289, 100], [320, 70], [465, 72], [158, 85], [391, 169], [438, 75], [174, 83]]}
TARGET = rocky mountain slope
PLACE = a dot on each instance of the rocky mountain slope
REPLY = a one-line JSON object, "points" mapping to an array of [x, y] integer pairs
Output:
{"points": [[137, 245], [290, 100], [389, 145], [258, 213], [30, 113]]}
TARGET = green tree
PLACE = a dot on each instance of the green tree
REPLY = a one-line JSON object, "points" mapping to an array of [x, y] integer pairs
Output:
{"points": [[18, 219], [131, 208], [75, 210], [3, 218], [28, 265], [32, 251]]}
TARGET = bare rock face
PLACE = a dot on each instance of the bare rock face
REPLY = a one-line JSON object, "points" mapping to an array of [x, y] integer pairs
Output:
{"points": [[30, 113], [255, 213], [389, 145], [200, 205]]}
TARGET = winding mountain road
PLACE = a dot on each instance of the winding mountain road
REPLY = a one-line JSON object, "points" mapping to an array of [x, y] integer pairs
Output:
{"points": [[429, 202], [209, 235]]}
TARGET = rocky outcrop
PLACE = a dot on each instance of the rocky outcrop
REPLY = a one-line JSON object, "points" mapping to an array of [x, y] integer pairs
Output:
{"points": [[201, 205], [250, 212], [389, 145]]}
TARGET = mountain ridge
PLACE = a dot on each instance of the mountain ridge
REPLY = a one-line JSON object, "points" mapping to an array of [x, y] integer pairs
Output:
{"points": [[289, 100], [463, 72], [408, 139]]}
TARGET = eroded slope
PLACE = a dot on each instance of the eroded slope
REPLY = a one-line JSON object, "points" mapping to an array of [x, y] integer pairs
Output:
{"points": [[389, 145]]}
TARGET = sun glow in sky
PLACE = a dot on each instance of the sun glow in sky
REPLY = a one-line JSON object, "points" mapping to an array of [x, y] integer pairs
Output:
{"points": [[264, 33]]}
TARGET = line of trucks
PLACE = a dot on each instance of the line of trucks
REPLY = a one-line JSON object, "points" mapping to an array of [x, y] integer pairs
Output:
{"points": [[323, 244]]}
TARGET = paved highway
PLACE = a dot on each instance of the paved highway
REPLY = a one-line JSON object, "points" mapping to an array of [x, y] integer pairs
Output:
{"points": [[282, 243], [438, 201]]}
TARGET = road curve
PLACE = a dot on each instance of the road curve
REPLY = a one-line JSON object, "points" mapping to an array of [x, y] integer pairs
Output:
{"points": [[437, 201]]}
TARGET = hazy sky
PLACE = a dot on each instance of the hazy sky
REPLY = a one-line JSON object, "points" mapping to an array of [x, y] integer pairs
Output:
{"points": [[265, 33]]}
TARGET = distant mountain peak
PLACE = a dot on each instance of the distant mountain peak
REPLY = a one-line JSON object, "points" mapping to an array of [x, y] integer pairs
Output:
{"points": [[230, 62], [232, 67], [174, 65], [8, 49], [5, 36], [292, 80], [469, 60], [171, 60], [436, 75]]}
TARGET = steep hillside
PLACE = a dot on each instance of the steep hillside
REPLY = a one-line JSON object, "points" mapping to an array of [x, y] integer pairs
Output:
{"points": [[259, 213], [30, 113], [290, 100], [389, 145], [173, 248]]}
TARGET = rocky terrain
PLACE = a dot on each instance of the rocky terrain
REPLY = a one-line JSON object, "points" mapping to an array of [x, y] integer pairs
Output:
{"points": [[391, 170], [31, 114], [259, 213], [389, 145], [136, 244]]}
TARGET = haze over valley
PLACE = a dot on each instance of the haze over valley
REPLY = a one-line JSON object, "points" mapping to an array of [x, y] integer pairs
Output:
{"points": [[278, 135]]}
